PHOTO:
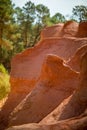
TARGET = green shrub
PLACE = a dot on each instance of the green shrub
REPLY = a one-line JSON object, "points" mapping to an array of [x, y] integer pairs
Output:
{"points": [[2, 69], [4, 82]]}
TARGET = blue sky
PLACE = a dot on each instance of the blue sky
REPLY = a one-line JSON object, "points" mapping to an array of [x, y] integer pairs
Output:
{"points": [[62, 6]]}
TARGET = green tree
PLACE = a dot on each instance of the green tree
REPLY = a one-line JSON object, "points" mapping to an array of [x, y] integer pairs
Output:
{"points": [[18, 15], [10, 35], [29, 16], [6, 12], [57, 18], [6, 16], [80, 13], [42, 14]]}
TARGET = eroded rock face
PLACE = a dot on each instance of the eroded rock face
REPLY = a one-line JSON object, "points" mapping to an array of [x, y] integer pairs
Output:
{"points": [[76, 103], [27, 65], [75, 61], [76, 123], [59, 40], [82, 30], [74, 106], [70, 29], [30, 71], [56, 83], [53, 31]]}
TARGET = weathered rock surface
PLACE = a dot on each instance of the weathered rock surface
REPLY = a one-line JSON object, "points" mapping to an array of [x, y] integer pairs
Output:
{"points": [[74, 62], [75, 107], [62, 40], [76, 103], [63, 47], [56, 83], [26, 67], [82, 30], [70, 29], [53, 31], [76, 123]]}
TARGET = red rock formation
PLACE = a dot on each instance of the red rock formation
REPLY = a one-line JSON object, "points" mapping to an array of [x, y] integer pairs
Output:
{"points": [[53, 31], [74, 62], [82, 30], [70, 29], [61, 40], [76, 123], [76, 105], [56, 83], [28, 64]]}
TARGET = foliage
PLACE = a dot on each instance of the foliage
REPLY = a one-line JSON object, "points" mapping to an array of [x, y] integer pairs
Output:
{"points": [[42, 13], [4, 82], [28, 12], [80, 13], [6, 11], [10, 36], [58, 18], [2, 69]]}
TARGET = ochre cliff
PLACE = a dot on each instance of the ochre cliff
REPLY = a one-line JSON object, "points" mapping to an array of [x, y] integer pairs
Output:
{"points": [[56, 83], [74, 62], [26, 67], [45, 77], [71, 114], [76, 103]]}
